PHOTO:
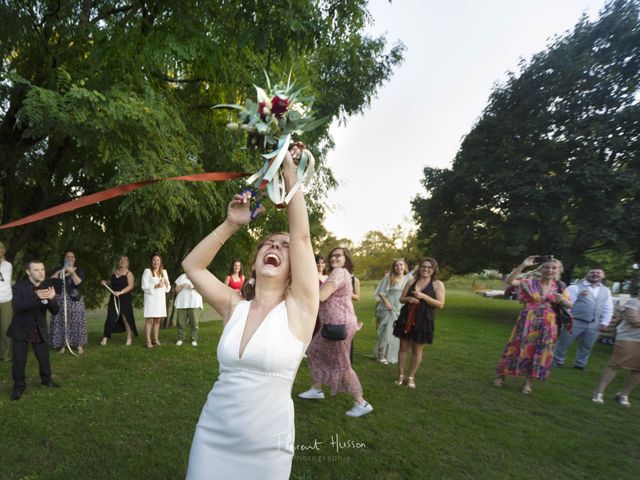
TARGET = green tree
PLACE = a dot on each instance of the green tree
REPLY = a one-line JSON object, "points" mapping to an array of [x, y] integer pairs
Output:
{"points": [[97, 93], [552, 166], [374, 255]]}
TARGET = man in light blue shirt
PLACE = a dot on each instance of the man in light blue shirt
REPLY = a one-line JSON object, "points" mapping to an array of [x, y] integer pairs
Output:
{"points": [[592, 311]]}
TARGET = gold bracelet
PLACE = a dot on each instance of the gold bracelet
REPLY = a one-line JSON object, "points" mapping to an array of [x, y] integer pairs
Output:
{"points": [[215, 235]]}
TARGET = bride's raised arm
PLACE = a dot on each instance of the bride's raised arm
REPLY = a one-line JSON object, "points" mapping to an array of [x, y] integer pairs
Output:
{"points": [[304, 276], [221, 297]]}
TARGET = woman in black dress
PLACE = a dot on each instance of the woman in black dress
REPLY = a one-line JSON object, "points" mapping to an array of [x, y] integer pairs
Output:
{"points": [[120, 309], [416, 322]]}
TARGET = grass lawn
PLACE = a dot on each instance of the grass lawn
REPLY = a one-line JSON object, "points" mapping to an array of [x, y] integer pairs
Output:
{"points": [[129, 413]]}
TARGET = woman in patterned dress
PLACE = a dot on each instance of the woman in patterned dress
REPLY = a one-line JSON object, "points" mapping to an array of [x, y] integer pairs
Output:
{"points": [[529, 351], [74, 331], [329, 359]]}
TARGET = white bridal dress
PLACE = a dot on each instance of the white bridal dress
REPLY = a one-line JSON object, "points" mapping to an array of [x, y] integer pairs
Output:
{"points": [[246, 428]]}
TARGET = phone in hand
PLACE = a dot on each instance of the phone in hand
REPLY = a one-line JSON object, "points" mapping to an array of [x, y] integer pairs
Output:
{"points": [[540, 259], [45, 284]]}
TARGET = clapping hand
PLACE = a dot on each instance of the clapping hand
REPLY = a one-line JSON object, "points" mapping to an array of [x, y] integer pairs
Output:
{"points": [[46, 293]]}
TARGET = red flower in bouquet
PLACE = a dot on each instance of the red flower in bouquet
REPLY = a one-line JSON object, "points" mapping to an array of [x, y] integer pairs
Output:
{"points": [[279, 106], [264, 109]]}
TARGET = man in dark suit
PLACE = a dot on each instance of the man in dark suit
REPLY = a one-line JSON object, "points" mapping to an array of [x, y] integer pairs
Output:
{"points": [[31, 300]]}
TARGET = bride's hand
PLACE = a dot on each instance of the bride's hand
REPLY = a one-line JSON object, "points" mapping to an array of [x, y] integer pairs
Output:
{"points": [[291, 160], [239, 210]]}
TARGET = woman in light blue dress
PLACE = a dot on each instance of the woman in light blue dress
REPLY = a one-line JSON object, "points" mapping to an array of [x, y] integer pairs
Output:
{"points": [[388, 309]]}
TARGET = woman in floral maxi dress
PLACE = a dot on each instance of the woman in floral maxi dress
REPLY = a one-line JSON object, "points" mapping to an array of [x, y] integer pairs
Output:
{"points": [[329, 359], [529, 351]]}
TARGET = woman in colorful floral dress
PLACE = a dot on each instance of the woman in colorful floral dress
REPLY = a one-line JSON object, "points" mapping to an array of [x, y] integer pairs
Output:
{"points": [[529, 352]]}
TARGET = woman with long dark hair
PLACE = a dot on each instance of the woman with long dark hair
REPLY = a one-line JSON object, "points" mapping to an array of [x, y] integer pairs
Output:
{"points": [[235, 278], [73, 331], [321, 266], [329, 357], [416, 323]]}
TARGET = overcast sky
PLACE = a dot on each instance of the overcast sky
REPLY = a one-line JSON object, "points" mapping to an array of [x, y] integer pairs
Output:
{"points": [[455, 52]]}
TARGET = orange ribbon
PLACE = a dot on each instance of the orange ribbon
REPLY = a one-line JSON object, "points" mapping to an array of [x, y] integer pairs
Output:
{"points": [[116, 192]]}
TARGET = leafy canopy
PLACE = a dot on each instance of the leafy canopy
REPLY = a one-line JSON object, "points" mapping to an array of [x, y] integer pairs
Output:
{"points": [[553, 164], [99, 93]]}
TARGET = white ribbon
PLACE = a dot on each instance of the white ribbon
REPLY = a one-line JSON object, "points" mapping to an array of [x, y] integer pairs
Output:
{"points": [[273, 175], [116, 301], [64, 307]]}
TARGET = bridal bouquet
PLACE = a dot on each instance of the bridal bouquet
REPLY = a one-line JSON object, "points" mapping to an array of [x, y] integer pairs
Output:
{"points": [[278, 113]]}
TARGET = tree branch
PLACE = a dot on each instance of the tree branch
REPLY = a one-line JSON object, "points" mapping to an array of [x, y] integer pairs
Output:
{"points": [[85, 11], [110, 12], [169, 79]]}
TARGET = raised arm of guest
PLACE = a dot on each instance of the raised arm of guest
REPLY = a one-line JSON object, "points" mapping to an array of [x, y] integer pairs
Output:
{"points": [[512, 279]]}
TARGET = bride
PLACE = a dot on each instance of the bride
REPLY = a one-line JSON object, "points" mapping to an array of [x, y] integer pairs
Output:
{"points": [[246, 428]]}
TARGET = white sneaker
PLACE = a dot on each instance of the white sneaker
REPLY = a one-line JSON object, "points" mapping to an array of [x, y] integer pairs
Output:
{"points": [[623, 400], [179, 342], [312, 394], [597, 398], [359, 409], [194, 344]]}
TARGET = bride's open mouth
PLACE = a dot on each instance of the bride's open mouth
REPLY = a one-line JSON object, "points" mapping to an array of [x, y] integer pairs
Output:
{"points": [[272, 259]]}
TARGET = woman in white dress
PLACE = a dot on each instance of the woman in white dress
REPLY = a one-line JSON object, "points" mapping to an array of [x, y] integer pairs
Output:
{"points": [[246, 428], [155, 285], [388, 309]]}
